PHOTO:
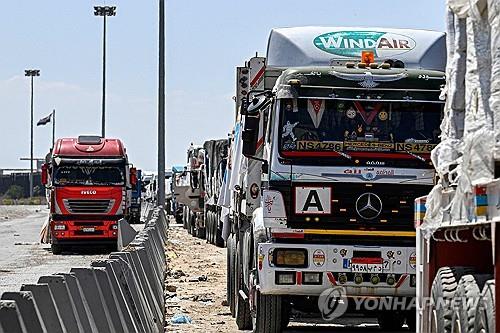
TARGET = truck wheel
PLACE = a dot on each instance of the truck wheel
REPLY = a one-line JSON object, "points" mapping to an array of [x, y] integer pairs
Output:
{"points": [[208, 223], [214, 228], [231, 250], [465, 301], [242, 307], [184, 218], [485, 309], [200, 232], [210, 228], [192, 225], [268, 314], [56, 248], [442, 292], [390, 321], [219, 241]]}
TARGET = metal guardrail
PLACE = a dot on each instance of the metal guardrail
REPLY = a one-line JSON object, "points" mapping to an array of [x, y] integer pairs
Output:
{"points": [[123, 293]]}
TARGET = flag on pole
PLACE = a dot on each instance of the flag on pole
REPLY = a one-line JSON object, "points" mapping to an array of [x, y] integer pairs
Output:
{"points": [[44, 120]]}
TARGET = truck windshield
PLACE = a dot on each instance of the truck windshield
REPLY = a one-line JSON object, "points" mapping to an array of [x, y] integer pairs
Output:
{"points": [[89, 175], [351, 132]]}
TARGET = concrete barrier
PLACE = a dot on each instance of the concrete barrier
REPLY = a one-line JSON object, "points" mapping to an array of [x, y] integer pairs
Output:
{"points": [[124, 293], [10, 318], [27, 309]]}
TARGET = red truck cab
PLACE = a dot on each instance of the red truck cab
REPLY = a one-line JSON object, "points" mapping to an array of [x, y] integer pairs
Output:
{"points": [[89, 183]]}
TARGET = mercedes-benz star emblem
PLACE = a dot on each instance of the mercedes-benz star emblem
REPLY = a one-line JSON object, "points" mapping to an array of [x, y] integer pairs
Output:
{"points": [[369, 206]]}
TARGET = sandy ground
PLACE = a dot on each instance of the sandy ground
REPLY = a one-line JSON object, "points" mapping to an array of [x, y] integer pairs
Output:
{"points": [[196, 287], [197, 283], [16, 212]]}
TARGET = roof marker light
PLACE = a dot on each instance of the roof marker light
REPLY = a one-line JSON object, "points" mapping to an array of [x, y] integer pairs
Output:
{"points": [[367, 57]]}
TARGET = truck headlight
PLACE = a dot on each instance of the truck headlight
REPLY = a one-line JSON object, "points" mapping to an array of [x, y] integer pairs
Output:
{"points": [[290, 258]]}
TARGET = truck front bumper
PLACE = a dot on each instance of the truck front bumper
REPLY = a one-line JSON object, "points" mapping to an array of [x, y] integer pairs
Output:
{"points": [[84, 230], [361, 270]]}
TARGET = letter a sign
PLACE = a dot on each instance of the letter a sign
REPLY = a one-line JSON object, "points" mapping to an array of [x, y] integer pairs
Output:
{"points": [[313, 200]]}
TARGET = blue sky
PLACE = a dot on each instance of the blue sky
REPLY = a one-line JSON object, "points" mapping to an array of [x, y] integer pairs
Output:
{"points": [[206, 40]]}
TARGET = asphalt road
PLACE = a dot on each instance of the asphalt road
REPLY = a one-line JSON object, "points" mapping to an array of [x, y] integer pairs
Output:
{"points": [[23, 259]]}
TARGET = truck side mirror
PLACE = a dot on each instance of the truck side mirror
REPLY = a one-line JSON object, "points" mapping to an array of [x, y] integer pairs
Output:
{"points": [[45, 174], [250, 134], [133, 176]]}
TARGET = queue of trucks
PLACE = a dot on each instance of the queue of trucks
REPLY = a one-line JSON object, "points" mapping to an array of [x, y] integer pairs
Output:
{"points": [[331, 146], [90, 184]]}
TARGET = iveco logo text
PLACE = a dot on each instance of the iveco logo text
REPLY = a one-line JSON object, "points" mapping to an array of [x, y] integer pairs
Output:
{"points": [[88, 192], [351, 43], [369, 206]]}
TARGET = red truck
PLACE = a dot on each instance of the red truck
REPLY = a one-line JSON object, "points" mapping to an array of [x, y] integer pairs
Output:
{"points": [[89, 181]]}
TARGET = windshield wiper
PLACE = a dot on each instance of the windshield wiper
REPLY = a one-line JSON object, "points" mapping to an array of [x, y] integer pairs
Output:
{"points": [[418, 157]]}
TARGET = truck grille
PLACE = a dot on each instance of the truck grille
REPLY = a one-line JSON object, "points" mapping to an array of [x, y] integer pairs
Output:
{"points": [[89, 206]]}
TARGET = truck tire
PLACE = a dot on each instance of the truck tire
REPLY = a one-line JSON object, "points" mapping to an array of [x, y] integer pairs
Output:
{"points": [[211, 228], [442, 292], [231, 250], [200, 232], [242, 307], [268, 314], [219, 241], [465, 301], [208, 223], [191, 224], [56, 248], [184, 218], [214, 228], [484, 320], [390, 321]]}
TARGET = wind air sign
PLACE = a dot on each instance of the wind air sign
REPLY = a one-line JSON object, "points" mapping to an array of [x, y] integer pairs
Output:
{"points": [[351, 43]]}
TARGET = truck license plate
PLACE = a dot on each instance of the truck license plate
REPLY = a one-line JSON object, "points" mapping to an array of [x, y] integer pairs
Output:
{"points": [[367, 268], [88, 229], [366, 265]]}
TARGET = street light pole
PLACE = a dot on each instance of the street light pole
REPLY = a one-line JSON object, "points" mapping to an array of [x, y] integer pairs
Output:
{"points": [[104, 11], [31, 73], [161, 106], [53, 127]]}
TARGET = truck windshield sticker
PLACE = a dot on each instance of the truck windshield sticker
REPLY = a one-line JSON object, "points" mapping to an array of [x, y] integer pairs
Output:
{"points": [[316, 108], [352, 43], [288, 130]]}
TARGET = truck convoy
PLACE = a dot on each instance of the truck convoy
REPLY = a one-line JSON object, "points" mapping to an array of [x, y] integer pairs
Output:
{"points": [[197, 189], [458, 260], [89, 180], [331, 146]]}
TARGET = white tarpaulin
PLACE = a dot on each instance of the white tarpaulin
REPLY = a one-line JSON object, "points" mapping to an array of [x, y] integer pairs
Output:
{"points": [[465, 155]]}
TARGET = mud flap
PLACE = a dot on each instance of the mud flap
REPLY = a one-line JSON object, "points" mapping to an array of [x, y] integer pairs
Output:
{"points": [[126, 234]]}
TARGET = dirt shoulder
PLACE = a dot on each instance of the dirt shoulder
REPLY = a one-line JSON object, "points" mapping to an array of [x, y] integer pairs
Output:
{"points": [[196, 284], [12, 212]]}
